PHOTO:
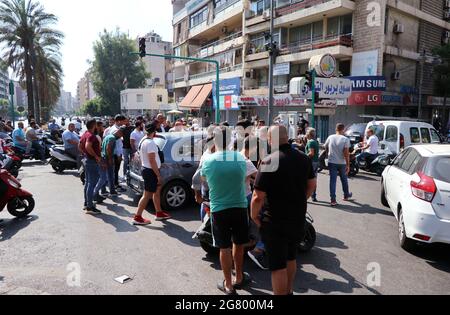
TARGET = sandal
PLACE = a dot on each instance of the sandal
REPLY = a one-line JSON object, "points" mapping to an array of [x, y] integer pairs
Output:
{"points": [[245, 282], [221, 286]]}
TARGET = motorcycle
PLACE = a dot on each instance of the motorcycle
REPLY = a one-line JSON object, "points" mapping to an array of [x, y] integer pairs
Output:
{"points": [[34, 155], [374, 165], [60, 160], [19, 202], [204, 234], [323, 164]]}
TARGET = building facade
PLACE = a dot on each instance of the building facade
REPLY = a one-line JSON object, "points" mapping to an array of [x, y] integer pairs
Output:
{"points": [[85, 90], [160, 69], [4, 84], [372, 40], [134, 102]]}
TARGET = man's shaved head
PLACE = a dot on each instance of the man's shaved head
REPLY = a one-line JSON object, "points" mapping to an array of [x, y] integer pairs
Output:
{"points": [[278, 134]]}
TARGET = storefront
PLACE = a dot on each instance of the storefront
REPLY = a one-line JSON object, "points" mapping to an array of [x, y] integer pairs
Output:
{"points": [[441, 113]]}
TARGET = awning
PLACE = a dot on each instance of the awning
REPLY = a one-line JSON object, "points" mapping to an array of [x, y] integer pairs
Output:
{"points": [[202, 96], [191, 96]]}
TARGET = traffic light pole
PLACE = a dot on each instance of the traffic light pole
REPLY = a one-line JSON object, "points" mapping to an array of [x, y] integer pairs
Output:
{"points": [[215, 62], [313, 99]]}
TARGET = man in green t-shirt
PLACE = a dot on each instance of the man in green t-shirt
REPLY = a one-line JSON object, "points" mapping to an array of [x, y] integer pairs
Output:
{"points": [[107, 166], [313, 151], [225, 172]]}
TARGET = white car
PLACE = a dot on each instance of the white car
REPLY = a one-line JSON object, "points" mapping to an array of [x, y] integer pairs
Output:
{"points": [[417, 189]]}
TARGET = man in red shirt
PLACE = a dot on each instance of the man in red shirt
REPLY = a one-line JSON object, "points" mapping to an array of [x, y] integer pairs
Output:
{"points": [[90, 146]]}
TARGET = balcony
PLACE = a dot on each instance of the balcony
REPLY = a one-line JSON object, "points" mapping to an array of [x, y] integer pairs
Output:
{"points": [[300, 13], [308, 45], [230, 5], [206, 77], [234, 40]]}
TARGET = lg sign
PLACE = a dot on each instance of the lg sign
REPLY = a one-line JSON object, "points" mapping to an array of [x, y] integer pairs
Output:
{"points": [[365, 98]]}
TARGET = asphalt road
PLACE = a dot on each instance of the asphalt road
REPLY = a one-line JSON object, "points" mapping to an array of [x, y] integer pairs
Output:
{"points": [[37, 254]]}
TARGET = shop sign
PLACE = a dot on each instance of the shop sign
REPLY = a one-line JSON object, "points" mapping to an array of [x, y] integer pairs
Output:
{"points": [[328, 88], [365, 98], [376, 83], [282, 69], [230, 89], [325, 65], [437, 101]]}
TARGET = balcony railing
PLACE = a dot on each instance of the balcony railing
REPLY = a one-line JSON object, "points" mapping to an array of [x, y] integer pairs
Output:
{"points": [[211, 73], [209, 49], [318, 43], [222, 8], [290, 8]]}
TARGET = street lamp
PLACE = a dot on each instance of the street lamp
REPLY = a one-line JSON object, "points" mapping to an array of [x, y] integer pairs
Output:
{"points": [[272, 56]]}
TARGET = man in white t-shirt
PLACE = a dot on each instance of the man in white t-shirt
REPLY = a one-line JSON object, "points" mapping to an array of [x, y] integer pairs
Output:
{"points": [[136, 136], [370, 148], [151, 165]]}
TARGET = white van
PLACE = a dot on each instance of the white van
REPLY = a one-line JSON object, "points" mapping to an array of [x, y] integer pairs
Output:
{"points": [[397, 135]]}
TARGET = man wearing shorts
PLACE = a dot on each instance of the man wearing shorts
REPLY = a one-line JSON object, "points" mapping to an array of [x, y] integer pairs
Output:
{"points": [[283, 185], [225, 172], [151, 164]]}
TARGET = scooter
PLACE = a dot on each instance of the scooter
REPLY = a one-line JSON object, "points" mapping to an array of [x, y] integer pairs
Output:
{"points": [[60, 160], [204, 234], [19, 202], [9, 164], [373, 165]]}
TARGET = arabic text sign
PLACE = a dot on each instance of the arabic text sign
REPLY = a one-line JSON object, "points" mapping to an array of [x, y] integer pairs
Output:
{"points": [[328, 88]]}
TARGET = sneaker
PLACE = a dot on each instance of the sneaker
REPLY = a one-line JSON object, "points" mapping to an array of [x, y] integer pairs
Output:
{"points": [[113, 194], [259, 259], [315, 200], [120, 189], [93, 211], [99, 200], [141, 221], [162, 216], [349, 197], [85, 208]]}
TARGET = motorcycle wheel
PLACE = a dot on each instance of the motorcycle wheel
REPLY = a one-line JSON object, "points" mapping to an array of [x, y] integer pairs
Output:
{"points": [[21, 207], [310, 239], [57, 167], [354, 171], [209, 249]]}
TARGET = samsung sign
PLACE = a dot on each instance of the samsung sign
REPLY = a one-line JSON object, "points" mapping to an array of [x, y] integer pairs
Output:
{"points": [[369, 83]]}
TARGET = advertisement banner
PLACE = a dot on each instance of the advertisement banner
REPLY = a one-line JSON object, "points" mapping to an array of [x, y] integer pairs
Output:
{"points": [[376, 83], [365, 64], [230, 90], [365, 98], [282, 69]]}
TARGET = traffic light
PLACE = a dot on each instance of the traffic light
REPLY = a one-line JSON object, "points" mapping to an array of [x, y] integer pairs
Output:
{"points": [[309, 83], [142, 47]]}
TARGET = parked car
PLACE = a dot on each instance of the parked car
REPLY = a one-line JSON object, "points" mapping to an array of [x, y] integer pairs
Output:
{"points": [[397, 135], [182, 153], [356, 133], [416, 187]]}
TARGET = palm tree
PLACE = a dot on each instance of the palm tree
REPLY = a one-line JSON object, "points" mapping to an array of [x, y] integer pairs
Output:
{"points": [[23, 25]]}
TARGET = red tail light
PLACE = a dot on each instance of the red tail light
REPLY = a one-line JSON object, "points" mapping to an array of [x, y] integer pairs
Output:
{"points": [[425, 189], [402, 142]]}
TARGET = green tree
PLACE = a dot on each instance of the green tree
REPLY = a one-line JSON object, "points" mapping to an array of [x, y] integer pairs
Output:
{"points": [[24, 24], [94, 107], [442, 71], [112, 65]]}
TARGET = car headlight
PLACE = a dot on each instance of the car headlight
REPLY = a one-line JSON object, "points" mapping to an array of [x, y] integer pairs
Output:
{"points": [[13, 184]]}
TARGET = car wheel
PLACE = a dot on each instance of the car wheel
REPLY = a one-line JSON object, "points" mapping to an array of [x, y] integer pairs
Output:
{"points": [[209, 249], [175, 196], [405, 242], [384, 201]]}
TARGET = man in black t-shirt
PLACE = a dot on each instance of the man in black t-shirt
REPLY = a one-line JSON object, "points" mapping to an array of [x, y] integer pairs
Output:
{"points": [[127, 152], [285, 182]]}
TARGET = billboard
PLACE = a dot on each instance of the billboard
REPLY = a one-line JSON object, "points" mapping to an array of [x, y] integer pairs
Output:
{"points": [[230, 90]]}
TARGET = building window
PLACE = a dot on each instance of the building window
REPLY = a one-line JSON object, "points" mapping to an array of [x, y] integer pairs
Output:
{"points": [[140, 98], [199, 17], [340, 25], [159, 98]]}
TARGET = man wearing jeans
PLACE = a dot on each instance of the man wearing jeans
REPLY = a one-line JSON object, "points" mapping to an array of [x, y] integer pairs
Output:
{"points": [[90, 146], [338, 147]]}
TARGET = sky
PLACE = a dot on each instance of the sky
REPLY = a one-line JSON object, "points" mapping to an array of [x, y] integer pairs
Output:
{"points": [[81, 22]]}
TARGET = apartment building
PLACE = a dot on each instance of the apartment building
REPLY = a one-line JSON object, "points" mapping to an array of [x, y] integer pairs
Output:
{"points": [[4, 84], [135, 102], [160, 70], [383, 46], [85, 89]]}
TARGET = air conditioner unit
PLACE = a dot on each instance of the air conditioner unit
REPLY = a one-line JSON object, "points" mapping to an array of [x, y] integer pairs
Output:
{"points": [[399, 28], [447, 15], [266, 15], [396, 76], [250, 75]]}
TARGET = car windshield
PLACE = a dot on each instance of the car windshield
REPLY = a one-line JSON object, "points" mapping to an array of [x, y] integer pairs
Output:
{"points": [[355, 129], [439, 168]]}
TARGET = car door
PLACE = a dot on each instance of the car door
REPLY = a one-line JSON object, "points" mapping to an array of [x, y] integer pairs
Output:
{"points": [[391, 143], [392, 180]]}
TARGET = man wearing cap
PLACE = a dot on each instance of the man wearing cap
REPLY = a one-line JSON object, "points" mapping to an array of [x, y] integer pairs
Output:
{"points": [[151, 165]]}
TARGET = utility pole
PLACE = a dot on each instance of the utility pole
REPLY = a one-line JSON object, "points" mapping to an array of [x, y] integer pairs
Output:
{"points": [[422, 63], [11, 102], [272, 56], [313, 100]]}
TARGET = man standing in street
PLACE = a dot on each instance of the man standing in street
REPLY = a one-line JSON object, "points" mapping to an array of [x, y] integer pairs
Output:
{"points": [[120, 121], [225, 172], [283, 185], [71, 141], [338, 147], [127, 152], [136, 136], [90, 146], [312, 150], [151, 164]]}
